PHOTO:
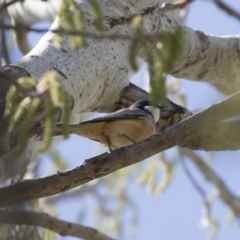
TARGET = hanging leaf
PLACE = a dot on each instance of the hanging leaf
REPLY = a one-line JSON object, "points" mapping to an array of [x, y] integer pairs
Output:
{"points": [[48, 126], [97, 14], [161, 61], [71, 18], [11, 101], [24, 126]]}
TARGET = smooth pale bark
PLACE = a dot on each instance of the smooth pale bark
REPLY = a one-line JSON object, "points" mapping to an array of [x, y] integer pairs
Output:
{"points": [[94, 76], [107, 163], [28, 12]]}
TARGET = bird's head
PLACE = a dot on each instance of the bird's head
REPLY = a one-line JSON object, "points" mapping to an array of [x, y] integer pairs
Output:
{"points": [[146, 106]]}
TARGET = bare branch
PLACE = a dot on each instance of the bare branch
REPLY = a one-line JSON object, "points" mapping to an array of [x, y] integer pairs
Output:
{"points": [[227, 9], [7, 4], [231, 200], [196, 185], [107, 163], [44, 220]]}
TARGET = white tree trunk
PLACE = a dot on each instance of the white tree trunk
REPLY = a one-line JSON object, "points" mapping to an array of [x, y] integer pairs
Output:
{"points": [[96, 75], [29, 12]]}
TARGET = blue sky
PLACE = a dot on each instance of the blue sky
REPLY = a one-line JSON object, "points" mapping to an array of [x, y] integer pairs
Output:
{"points": [[177, 213]]}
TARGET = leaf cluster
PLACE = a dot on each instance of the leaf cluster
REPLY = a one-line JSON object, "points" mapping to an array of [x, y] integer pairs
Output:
{"points": [[167, 47], [72, 18], [27, 100]]}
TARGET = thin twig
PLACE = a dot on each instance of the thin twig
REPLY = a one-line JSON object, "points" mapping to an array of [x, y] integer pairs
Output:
{"points": [[229, 198], [227, 9], [44, 220], [196, 186]]}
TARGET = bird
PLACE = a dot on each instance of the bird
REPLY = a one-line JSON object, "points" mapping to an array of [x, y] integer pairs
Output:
{"points": [[121, 128]]}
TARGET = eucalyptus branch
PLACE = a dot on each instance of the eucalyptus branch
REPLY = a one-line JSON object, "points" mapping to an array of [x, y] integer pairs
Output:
{"points": [[44, 220], [107, 163]]}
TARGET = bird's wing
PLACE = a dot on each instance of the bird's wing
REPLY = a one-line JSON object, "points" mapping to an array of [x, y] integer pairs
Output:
{"points": [[119, 115]]}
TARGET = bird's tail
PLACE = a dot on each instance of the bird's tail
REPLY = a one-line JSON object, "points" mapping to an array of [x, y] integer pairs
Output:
{"points": [[58, 128], [85, 129]]}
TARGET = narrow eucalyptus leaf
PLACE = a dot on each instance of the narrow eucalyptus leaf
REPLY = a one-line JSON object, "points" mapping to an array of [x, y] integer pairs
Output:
{"points": [[24, 130], [132, 56], [19, 114], [48, 127], [66, 116], [97, 14], [27, 82], [11, 101]]}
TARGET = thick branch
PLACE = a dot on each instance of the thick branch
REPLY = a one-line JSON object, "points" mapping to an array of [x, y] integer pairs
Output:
{"points": [[107, 163], [228, 89], [222, 136], [204, 57], [44, 220]]}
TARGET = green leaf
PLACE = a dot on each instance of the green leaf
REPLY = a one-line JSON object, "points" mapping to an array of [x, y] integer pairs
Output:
{"points": [[11, 101], [161, 61], [71, 18], [20, 111], [48, 126], [26, 123], [132, 56], [97, 14], [27, 82]]}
